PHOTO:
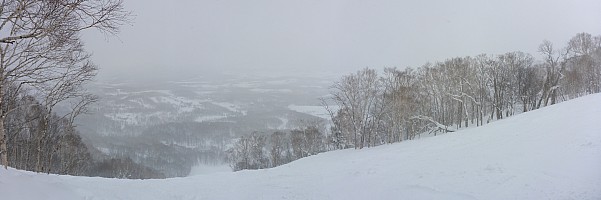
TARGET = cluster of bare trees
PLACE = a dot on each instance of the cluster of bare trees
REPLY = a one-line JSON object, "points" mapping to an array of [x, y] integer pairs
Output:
{"points": [[43, 65], [442, 97], [460, 92], [259, 151], [42, 141]]}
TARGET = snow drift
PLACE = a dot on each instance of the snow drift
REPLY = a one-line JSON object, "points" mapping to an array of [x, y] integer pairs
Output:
{"points": [[550, 153]]}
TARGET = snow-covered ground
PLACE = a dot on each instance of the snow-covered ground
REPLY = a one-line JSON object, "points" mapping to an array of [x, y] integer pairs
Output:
{"points": [[203, 169], [551, 153], [318, 111], [209, 118]]}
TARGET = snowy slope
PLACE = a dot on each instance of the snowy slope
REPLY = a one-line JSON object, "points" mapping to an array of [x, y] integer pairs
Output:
{"points": [[551, 153]]}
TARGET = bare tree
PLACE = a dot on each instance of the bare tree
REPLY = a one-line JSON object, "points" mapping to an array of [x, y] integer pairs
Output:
{"points": [[555, 65], [40, 47], [460, 91], [400, 101], [239, 156], [279, 145], [583, 73], [358, 95]]}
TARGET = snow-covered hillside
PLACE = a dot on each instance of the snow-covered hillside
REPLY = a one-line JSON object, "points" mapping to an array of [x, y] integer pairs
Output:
{"points": [[550, 153]]}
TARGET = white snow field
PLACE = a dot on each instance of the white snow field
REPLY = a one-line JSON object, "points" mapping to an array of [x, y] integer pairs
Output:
{"points": [[550, 153]]}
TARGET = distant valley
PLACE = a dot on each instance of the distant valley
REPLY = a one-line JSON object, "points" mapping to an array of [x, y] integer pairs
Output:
{"points": [[171, 125]]}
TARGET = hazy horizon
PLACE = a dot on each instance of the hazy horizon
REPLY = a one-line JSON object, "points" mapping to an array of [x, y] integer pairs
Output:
{"points": [[334, 36]]}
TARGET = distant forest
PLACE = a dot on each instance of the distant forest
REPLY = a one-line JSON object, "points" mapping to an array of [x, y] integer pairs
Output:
{"points": [[441, 97]]}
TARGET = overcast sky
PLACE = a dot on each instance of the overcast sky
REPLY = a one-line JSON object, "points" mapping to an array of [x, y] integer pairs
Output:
{"points": [[313, 36]]}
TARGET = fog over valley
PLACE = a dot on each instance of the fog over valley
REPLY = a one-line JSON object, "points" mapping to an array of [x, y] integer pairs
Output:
{"points": [[311, 99], [196, 119]]}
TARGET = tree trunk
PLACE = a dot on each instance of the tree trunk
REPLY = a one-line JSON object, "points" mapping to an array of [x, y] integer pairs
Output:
{"points": [[3, 141], [3, 137], [40, 144]]}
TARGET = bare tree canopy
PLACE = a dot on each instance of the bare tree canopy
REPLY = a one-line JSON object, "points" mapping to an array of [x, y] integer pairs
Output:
{"points": [[459, 92], [41, 49]]}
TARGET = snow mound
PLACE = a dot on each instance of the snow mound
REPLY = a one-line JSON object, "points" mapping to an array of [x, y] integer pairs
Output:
{"points": [[550, 153]]}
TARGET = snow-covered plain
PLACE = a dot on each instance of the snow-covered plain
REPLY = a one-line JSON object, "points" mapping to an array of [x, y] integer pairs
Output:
{"points": [[550, 153], [318, 111]]}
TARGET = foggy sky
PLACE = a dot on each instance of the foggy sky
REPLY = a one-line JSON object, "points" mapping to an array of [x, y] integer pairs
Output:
{"points": [[340, 36]]}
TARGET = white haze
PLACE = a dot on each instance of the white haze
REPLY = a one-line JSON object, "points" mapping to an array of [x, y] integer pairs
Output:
{"points": [[186, 37]]}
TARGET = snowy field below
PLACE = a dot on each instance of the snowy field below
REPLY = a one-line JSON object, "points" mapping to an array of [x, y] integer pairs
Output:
{"points": [[318, 111], [550, 153]]}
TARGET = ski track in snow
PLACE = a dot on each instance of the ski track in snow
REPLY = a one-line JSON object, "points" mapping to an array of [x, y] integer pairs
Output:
{"points": [[550, 153]]}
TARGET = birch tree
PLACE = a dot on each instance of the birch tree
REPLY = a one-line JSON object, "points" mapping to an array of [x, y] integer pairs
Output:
{"points": [[555, 65], [457, 92], [40, 47], [357, 95], [583, 73]]}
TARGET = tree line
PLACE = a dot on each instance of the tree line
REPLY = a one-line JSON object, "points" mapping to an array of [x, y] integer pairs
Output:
{"points": [[262, 150], [379, 108], [43, 141], [44, 66], [399, 105]]}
